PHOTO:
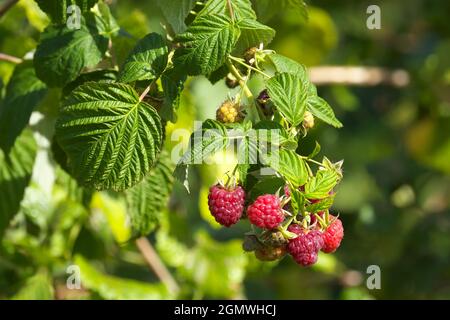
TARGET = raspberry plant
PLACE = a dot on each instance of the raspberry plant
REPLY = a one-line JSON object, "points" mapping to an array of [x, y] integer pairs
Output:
{"points": [[110, 124]]}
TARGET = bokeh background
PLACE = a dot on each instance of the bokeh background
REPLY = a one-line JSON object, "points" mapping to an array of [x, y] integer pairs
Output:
{"points": [[394, 200]]}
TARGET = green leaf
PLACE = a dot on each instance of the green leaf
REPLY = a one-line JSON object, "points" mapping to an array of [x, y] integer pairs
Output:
{"points": [[315, 152], [266, 185], [37, 287], [175, 12], [320, 185], [321, 205], [111, 138], [62, 53], [253, 34], [242, 9], [297, 200], [23, 94], [267, 9], [206, 44], [322, 110], [273, 133], [109, 25], [290, 165], [288, 93], [206, 141], [147, 61], [57, 9], [106, 75], [115, 288], [172, 81], [283, 64], [147, 200], [15, 174]]}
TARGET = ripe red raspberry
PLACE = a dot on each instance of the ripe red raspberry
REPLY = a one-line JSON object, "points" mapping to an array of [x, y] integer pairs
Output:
{"points": [[306, 246], [266, 212], [226, 205], [333, 235]]}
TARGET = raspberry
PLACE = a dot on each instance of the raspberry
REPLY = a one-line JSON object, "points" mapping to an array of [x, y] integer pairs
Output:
{"points": [[306, 246], [263, 101], [228, 112], [267, 253], [266, 212], [249, 55], [226, 205], [231, 82], [333, 235], [274, 239], [308, 120]]}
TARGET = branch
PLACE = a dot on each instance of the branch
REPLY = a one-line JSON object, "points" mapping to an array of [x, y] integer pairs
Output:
{"points": [[155, 263], [358, 76], [7, 57], [6, 6]]}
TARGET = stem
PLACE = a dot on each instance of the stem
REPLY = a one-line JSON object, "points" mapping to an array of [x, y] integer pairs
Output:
{"points": [[155, 263], [311, 160], [6, 6], [241, 81], [7, 57], [112, 54], [249, 66]]}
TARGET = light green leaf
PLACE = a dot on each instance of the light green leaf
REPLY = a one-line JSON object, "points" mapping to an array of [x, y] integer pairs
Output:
{"points": [[288, 93], [62, 52], [206, 44], [115, 288], [176, 12], [321, 205], [15, 173], [320, 185], [146, 200], [24, 93], [253, 34], [57, 9], [242, 9], [109, 25], [37, 287], [284, 64], [111, 138], [290, 165], [147, 61], [322, 110]]}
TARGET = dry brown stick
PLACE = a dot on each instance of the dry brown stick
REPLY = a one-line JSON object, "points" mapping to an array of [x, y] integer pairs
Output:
{"points": [[7, 57], [155, 263], [6, 6], [358, 76]]}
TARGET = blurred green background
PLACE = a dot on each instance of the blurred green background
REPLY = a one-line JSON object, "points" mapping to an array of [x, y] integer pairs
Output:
{"points": [[394, 200]]}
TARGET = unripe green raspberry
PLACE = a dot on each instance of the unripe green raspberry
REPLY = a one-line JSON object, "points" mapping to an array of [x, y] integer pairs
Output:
{"points": [[228, 112], [308, 120]]}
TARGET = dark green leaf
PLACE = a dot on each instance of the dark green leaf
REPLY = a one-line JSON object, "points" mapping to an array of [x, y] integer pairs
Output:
{"points": [[172, 81], [147, 199], [253, 34], [268, 185], [288, 93], [107, 75], [62, 53], [23, 94], [147, 61], [111, 138], [37, 287], [57, 9], [206, 44], [176, 12]]}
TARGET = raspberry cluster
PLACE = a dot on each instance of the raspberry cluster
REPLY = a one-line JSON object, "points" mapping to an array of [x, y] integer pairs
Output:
{"points": [[282, 233]]}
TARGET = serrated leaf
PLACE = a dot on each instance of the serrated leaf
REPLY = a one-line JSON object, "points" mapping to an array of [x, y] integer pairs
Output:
{"points": [[57, 9], [172, 81], [290, 165], [111, 138], [253, 34], [206, 44], [273, 133], [109, 25], [267, 185], [106, 75], [15, 173], [115, 288], [147, 61], [62, 52], [320, 185], [322, 110], [284, 64], [288, 93], [23, 94], [321, 205], [242, 9], [204, 142], [146, 200], [297, 200], [176, 12]]}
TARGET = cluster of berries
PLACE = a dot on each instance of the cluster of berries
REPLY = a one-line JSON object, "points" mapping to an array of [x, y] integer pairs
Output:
{"points": [[281, 234]]}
